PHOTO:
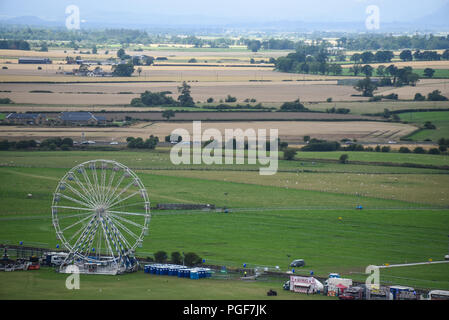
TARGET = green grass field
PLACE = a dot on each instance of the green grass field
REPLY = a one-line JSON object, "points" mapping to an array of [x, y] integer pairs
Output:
{"points": [[439, 118], [272, 220], [136, 286]]}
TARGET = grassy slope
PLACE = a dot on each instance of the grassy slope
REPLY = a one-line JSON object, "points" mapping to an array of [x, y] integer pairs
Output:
{"points": [[439, 118]]}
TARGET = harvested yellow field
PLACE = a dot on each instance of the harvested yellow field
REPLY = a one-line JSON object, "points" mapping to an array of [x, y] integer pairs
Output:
{"points": [[424, 87], [109, 93], [288, 130], [54, 54]]}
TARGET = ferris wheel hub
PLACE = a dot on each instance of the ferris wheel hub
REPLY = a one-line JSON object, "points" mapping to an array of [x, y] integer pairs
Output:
{"points": [[100, 211]]}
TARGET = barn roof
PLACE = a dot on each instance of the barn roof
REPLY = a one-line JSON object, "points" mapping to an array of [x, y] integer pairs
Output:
{"points": [[15, 115], [76, 116]]}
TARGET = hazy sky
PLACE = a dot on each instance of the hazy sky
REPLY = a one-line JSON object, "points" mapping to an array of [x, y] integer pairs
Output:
{"points": [[223, 10]]}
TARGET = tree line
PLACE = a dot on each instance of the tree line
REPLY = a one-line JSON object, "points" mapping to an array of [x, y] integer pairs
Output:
{"points": [[376, 42]]}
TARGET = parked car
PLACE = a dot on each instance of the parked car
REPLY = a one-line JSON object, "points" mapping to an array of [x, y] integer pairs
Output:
{"points": [[298, 263], [114, 142]]}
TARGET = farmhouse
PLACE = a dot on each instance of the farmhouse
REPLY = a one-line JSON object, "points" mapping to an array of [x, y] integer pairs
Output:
{"points": [[80, 118], [26, 118], [34, 61]]}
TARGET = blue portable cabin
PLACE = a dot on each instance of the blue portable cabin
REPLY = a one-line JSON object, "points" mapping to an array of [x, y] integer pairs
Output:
{"points": [[185, 273], [147, 268], [194, 274], [164, 270]]}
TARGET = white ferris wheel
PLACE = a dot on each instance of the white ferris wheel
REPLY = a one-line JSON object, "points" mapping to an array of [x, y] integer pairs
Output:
{"points": [[101, 213]]}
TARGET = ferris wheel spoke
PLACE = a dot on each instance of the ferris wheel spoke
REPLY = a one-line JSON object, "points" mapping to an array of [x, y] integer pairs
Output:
{"points": [[117, 185], [108, 189], [96, 185], [127, 213], [74, 208], [127, 245], [75, 200], [85, 231], [123, 199], [79, 194], [74, 215], [127, 221], [121, 192], [75, 234], [119, 233], [140, 204], [90, 186], [103, 182], [115, 237], [91, 239], [84, 187], [77, 223], [126, 229], [107, 235]]}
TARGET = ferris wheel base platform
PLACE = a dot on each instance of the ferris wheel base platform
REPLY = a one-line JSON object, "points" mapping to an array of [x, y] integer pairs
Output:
{"points": [[89, 269]]}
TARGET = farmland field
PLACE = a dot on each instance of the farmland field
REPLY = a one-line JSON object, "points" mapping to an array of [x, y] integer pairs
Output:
{"points": [[288, 130], [439, 118]]}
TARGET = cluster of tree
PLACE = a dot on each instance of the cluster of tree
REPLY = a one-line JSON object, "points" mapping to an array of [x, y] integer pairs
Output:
{"points": [[429, 55], [123, 69], [308, 59], [54, 143], [321, 145], [139, 143], [391, 96], [369, 57], [278, 44], [421, 150], [14, 45], [152, 99], [22, 144], [124, 36], [189, 259], [443, 144], [338, 110], [399, 78], [48, 144], [432, 96], [405, 55], [378, 41], [295, 106], [230, 99], [5, 101]]}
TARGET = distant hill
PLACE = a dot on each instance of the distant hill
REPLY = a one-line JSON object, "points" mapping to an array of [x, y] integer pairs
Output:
{"points": [[438, 18], [31, 21]]}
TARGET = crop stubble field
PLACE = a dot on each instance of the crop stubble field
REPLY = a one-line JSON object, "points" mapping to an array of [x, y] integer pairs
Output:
{"points": [[288, 130]]}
